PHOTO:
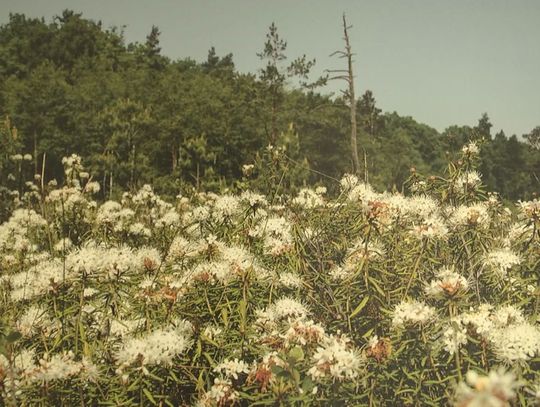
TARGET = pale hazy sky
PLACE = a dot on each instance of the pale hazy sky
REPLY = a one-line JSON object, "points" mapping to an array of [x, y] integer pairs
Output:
{"points": [[441, 62]]}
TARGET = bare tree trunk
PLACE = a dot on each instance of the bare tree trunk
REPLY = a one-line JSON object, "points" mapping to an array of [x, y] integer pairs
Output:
{"points": [[274, 120], [43, 173], [174, 158], [352, 98], [110, 185], [132, 175], [35, 152]]}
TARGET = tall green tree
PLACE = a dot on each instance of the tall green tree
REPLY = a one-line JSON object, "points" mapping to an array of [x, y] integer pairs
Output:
{"points": [[275, 74]]}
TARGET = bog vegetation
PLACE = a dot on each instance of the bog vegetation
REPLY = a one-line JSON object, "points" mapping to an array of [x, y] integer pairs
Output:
{"points": [[351, 298]]}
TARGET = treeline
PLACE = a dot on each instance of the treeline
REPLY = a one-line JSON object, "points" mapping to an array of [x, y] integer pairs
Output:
{"points": [[136, 116]]}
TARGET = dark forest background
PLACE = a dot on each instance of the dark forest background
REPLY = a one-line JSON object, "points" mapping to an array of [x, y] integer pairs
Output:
{"points": [[136, 116]]}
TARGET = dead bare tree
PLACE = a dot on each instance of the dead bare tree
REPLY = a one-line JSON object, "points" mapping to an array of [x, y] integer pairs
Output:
{"points": [[347, 75]]}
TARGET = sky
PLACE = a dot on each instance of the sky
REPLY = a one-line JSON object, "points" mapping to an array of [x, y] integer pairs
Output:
{"points": [[441, 62]]}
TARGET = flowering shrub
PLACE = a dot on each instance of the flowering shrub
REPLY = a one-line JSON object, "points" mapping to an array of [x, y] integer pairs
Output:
{"points": [[363, 298]]}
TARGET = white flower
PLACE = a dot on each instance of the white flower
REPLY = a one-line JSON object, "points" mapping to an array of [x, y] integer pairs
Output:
{"points": [[221, 394], [336, 359], [516, 342], [159, 347], [308, 199], [468, 181], [169, 219], [89, 292], [225, 207], [470, 216], [232, 368], [448, 283], [283, 309], [288, 307], [497, 389], [501, 260], [179, 248], [290, 280], [304, 332], [454, 336], [412, 313], [320, 190], [430, 228], [212, 332], [92, 187], [147, 283], [348, 182], [56, 367], [470, 149], [530, 209], [339, 273], [507, 315], [480, 320], [253, 199], [35, 320], [138, 229], [63, 244], [247, 169]]}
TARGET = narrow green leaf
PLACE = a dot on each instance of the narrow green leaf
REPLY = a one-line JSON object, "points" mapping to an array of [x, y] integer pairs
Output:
{"points": [[360, 306], [149, 396]]}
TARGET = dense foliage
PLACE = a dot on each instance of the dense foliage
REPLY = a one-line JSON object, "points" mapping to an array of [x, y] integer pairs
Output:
{"points": [[357, 298], [138, 117]]}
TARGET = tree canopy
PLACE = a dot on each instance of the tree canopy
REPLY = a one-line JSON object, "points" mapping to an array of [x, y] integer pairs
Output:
{"points": [[136, 116]]}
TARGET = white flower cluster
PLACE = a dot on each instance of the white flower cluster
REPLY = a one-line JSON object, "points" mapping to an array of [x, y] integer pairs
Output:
{"points": [[414, 208], [303, 333], [49, 368], [454, 336], [180, 247], [220, 394], [412, 313], [109, 263], [111, 215], [470, 148], [36, 320], [276, 234], [290, 280], [530, 209], [475, 215], [511, 337], [516, 342], [212, 332], [229, 263], [62, 366], [431, 228], [37, 280], [283, 309], [232, 368], [72, 167], [159, 347], [309, 199], [15, 233], [497, 389], [336, 359], [253, 200], [501, 260], [448, 283], [225, 207], [468, 181]]}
